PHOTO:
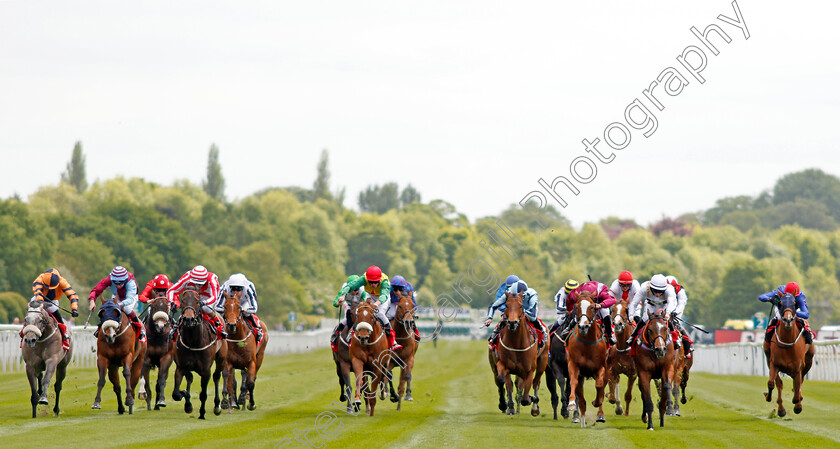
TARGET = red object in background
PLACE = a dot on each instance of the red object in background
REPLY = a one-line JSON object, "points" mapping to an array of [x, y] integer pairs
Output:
{"points": [[727, 336]]}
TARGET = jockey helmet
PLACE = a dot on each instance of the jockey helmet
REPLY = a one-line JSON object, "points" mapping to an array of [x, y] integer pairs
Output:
{"points": [[161, 282], [237, 280], [511, 279], [119, 274], [199, 275], [352, 278], [571, 284], [792, 288], [625, 277], [398, 281], [658, 284], [518, 287], [674, 282], [373, 274], [55, 278]]}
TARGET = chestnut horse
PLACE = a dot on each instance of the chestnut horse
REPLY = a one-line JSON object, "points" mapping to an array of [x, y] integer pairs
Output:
{"points": [[673, 408], [160, 350], [587, 359], [620, 361], [197, 347], [558, 371], [117, 346], [403, 325], [689, 362], [655, 360], [43, 355], [518, 354], [789, 354], [368, 345], [242, 353]]}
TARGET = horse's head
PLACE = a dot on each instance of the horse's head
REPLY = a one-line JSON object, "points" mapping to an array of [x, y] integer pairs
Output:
{"points": [[585, 313], [233, 309], [787, 308], [109, 320], [405, 309], [159, 310], [35, 324], [365, 321], [620, 316], [657, 335], [514, 311], [190, 306]]}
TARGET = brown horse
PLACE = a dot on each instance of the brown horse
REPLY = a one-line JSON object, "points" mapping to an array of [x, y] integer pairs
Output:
{"points": [[620, 361], [160, 350], [519, 355], [368, 345], [242, 353], [343, 365], [587, 359], [43, 355], [673, 408], [655, 360], [558, 371], [403, 325], [196, 349], [789, 354], [117, 346], [689, 362]]}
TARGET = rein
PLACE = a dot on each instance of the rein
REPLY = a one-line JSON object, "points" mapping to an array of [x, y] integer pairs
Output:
{"points": [[784, 344], [55, 328], [381, 333], [181, 341], [502, 339]]}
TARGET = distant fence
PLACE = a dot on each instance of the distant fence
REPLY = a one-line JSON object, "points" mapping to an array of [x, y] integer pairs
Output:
{"points": [[748, 359]]}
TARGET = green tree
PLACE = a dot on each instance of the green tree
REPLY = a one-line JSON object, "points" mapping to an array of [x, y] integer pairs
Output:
{"points": [[378, 199], [321, 187], [409, 195], [75, 172], [812, 184], [738, 290], [214, 183]]}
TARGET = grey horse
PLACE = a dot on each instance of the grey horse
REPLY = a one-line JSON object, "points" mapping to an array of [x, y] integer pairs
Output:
{"points": [[43, 355]]}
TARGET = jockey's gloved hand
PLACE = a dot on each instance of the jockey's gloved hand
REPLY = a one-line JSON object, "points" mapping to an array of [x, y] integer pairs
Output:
{"points": [[74, 313]]}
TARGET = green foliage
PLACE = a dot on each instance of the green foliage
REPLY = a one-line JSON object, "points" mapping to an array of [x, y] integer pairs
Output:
{"points": [[214, 183], [321, 186], [75, 172], [12, 305], [812, 184]]}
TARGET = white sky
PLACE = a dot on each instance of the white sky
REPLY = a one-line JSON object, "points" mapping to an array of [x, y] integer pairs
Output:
{"points": [[471, 102]]}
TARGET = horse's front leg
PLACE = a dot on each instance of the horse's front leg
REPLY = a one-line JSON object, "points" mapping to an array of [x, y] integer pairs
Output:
{"points": [[230, 400], [217, 374], [359, 371], [52, 362], [205, 380], [101, 365], [250, 382], [129, 391], [664, 401], [114, 377], [628, 395], [573, 392], [600, 387], [510, 387], [32, 376], [144, 372], [647, 402], [797, 392], [163, 373]]}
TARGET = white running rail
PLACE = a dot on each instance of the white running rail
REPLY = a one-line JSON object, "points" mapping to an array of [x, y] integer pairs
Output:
{"points": [[748, 359]]}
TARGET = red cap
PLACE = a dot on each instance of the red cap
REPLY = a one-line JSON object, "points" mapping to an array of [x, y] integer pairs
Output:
{"points": [[625, 277], [373, 274], [792, 288], [161, 281]]}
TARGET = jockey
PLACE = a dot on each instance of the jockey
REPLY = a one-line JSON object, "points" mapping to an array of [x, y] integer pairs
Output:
{"points": [[349, 300], [377, 286], [653, 295], [48, 287], [603, 299], [155, 288], [625, 287], [399, 284], [248, 301], [124, 291], [208, 285], [560, 301], [500, 292], [530, 305], [682, 300], [802, 313]]}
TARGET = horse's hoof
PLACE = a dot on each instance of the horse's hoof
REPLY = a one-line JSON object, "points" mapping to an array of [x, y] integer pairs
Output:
{"points": [[130, 409], [188, 408], [618, 411], [225, 405], [141, 396], [502, 407], [96, 406], [797, 409], [43, 401], [217, 410], [342, 398], [395, 399], [768, 397], [129, 401], [683, 400], [161, 403], [782, 413], [535, 412], [601, 418], [252, 407], [121, 411], [612, 401], [677, 413], [511, 412], [201, 417]]}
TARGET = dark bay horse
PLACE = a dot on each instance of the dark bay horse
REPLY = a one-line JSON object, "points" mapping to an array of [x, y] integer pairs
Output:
{"points": [[558, 371], [789, 354], [196, 349], [655, 360], [343, 364], [368, 345], [242, 352], [43, 355], [403, 325], [160, 350], [117, 346], [620, 361], [519, 355], [689, 362], [673, 408], [587, 359]]}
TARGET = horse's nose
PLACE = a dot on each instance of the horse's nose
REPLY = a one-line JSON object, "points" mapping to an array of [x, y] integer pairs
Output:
{"points": [[29, 341], [231, 328]]}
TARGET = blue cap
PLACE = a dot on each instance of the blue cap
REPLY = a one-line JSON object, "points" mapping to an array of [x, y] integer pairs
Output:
{"points": [[511, 279], [518, 287], [398, 281]]}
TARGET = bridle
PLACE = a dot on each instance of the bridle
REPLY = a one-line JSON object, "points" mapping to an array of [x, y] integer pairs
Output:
{"points": [[367, 307], [42, 323], [580, 316]]}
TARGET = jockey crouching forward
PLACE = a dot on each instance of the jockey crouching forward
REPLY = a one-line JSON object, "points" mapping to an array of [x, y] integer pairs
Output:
{"points": [[124, 289], [350, 300], [653, 295], [802, 313], [208, 291], [530, 305], [48, 287], [238, 286], [399, 284], [378, 286], [599, 294], [560, 301]]}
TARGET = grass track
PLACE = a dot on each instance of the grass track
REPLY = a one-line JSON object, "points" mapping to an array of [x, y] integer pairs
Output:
{"points": [[455, 406]]}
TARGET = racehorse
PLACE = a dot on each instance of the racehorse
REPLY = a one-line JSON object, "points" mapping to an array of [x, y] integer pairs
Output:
{"points": [[558, 371], [43, 355], [620, 361], [519, 355], [655, 360], [587, 358], [673, 408], [789, 354], [197, 347], [343, 364], [160, 350], [403, 325], [367, 347], [117, 346], [689, 362], [242, 352]]}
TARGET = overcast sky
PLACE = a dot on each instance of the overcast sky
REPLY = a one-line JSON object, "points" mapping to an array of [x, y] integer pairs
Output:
{"points": [[471, 102]]}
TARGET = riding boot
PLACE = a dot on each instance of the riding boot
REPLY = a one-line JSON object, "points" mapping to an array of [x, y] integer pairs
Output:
{"points": [[495, 335], [392, 338], [675, 336], [567, 327], [220, 327], [335, 335], [65, 339], [806, 334], [173, 332], [686, 347], [416, 331], [608, 331], [139, 329], [771, 326], [255, 323], [635, 333]]}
